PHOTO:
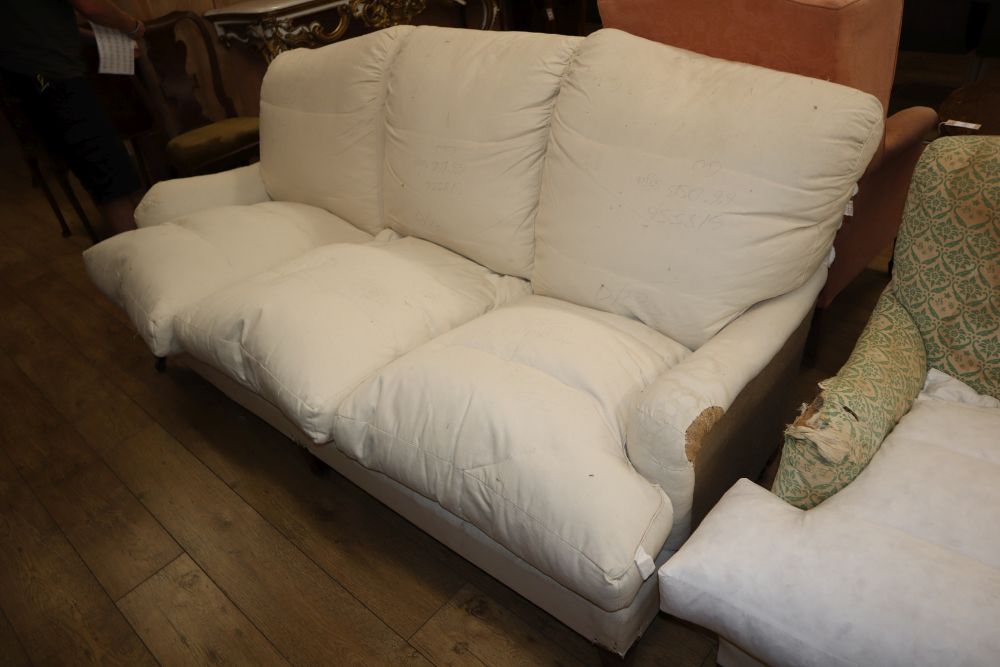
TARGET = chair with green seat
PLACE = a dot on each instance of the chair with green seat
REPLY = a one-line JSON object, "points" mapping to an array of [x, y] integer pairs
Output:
{"points": [[181, 69]]}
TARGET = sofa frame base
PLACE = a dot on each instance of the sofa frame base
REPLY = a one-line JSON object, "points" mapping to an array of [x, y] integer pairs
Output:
{"points": [[615, 631]]}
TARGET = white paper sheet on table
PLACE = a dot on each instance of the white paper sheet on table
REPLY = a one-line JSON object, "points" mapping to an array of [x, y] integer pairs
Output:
{"points": [[115, 49]]}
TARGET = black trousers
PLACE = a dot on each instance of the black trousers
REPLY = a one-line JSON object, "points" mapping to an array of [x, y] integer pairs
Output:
{"points": [[69, 118]]}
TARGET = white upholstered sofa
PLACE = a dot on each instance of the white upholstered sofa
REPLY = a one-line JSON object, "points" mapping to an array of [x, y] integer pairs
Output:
{"points": [[539, 294]]}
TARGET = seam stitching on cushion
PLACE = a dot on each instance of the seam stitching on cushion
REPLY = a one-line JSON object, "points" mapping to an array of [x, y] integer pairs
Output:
{"points": [[533, 215], [594, 401], [384, 128]]}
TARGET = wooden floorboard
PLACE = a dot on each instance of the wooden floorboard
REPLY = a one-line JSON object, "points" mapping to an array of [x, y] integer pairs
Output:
{"points": [[308, 616], [11, 652], [186, 620], [55, 605], [361, 544], [209, 529], [474, 629], [113, 533]]}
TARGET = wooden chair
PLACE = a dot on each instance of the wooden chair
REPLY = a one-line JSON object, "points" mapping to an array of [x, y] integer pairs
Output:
{"points": [[181, 70]]}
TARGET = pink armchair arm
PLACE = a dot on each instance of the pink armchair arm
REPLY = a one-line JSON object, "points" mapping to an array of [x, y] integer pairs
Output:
{"points": [[878, 207]]}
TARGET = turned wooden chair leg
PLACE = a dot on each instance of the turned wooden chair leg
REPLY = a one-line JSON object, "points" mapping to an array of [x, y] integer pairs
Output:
{"points": [[67, 189], [37, 177]]}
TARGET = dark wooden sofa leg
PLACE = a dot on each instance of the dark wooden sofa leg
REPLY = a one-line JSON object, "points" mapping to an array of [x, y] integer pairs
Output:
{"points": [[610, 658]]}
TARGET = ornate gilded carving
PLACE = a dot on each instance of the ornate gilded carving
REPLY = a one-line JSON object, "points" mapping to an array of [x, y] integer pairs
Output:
{"points": [[384, 13], [272, 35], [273, 31]]}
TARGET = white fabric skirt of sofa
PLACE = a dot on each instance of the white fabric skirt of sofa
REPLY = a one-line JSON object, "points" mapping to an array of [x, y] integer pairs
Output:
{"points": [[615, 631]]}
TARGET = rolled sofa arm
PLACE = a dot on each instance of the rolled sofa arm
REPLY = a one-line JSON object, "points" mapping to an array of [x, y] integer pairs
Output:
{"points": [[169, 200], [675, 414], [839, 432]]}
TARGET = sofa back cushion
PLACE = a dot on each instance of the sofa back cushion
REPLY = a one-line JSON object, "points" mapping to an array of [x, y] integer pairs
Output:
{"points": [[682, 189], [467, 120], [322, 126], [947, 268]]}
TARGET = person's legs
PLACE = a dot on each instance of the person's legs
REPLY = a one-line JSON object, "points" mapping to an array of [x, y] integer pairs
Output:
{"points": [[69, 116], [118, 214]]}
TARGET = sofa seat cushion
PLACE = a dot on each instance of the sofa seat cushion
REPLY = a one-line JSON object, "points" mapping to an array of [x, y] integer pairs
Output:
{"points": [[304, 334], [905, 561], [937, 477], [515, 422], [154, 272]]}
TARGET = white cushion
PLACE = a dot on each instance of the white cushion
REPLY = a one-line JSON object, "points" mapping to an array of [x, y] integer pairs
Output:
{"points": [[154, 272], [682, 189], [515, 422], [902, 567], [322, 126], [467, 121], [304, 334]]}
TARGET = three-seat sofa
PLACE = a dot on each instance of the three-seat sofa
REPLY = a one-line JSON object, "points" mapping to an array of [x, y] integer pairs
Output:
{"points": [[539, 294]]}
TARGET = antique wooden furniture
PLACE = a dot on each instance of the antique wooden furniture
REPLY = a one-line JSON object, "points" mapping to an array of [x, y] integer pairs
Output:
{"points": [[182, 72], [274, 26]]}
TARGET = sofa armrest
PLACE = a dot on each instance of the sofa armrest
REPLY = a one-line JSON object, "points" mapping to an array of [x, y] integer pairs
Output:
{"points": [[169, 200], [905, 128], [675, 414], [839, 432]]}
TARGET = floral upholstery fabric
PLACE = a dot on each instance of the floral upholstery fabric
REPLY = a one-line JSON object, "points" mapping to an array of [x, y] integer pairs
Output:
{"points": [[941, 311], [838, 434], [947, 261]]}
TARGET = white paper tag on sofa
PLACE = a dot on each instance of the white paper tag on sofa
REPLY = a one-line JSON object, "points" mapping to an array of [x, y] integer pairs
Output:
{"points": [[849, 209], [644, 562]]}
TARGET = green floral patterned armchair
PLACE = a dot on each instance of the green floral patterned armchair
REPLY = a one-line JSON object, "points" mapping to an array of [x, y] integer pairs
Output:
{"points": [[941, 310]]}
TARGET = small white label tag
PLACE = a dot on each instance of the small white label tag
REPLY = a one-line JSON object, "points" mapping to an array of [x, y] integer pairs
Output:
{"points": [[644, 562], [550, 14], [849, 209], [962, 124]]}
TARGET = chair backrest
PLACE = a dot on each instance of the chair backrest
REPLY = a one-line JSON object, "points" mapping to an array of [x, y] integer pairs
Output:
{"points": [[851, 42], [181, 68], [947, 261]]}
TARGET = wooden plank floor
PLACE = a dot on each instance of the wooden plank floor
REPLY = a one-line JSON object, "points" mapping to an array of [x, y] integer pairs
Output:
{"points": [[145, 519]]}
